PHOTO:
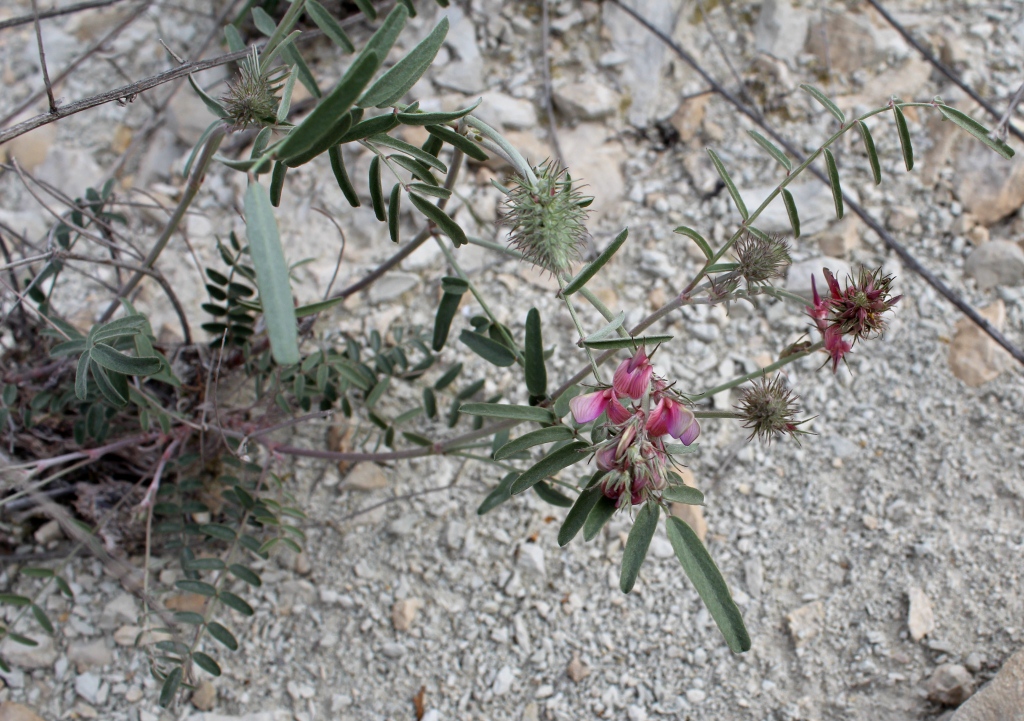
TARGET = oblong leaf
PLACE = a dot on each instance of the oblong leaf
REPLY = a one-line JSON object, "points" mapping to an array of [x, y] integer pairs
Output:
{"points": [[82, 377], [697, 238], [170, 686], [417, 118], [549, 465], [729, 185], [219, 531], [341, 176], [190, 617], [322, 120], [330, 27], [603, 510], [503, 410], [441, 219], [277, 182], [206, 662], [794, 216], [236, 602], [578, 514], [683, 494], [71, 347], [271, 275], [394, 210], [976, 129], [490, 350], [397, 81], [825, 101], [120, 363], [499, 495], [710, 585], [411, 150], [113, 386], [531, 439], [637, 543], [376, 192], [446, 311], [42, 619], [372, 126], [648, 340], [869, 146], [533, 355], [833, 180], [319, 307], [588, 271], [904, 132], [606, 330], [433, 191], [772, 150], [458, 141], [223, 635], [550, 494], [200, 587]]}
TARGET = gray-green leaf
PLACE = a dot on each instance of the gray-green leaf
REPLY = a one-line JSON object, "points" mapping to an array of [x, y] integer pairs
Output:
{"points": [[271, 275], [397, 81], [710, 585], [549, 465], [639, 541]]}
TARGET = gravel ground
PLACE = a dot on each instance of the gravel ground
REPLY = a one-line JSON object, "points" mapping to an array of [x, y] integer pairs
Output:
{"points": [[912, 487]]}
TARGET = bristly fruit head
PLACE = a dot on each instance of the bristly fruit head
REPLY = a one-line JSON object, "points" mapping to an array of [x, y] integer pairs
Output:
{"points": [[761, 258], [548, 220], [769, 410], [252, 97]]}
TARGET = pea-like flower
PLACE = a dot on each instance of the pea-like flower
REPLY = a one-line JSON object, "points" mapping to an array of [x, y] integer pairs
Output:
{"points": [[633, 376]]}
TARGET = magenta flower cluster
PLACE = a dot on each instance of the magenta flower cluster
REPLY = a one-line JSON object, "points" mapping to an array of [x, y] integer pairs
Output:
{"points": [[634, 456], [854, 312]]}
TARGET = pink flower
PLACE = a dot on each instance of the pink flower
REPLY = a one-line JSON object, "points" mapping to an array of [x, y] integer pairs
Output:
{"points": [[618, 413], [836, 346], [587, 407], [633, 376], [674, 419], [819, 311]]}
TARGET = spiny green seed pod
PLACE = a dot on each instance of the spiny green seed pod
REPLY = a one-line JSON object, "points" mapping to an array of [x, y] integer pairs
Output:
{"points": [[252, 97], [548, 220], [761, 258], [769, 410]]}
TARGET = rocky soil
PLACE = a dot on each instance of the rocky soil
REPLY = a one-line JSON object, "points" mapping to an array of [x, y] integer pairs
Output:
{"points": [[877, 564]]}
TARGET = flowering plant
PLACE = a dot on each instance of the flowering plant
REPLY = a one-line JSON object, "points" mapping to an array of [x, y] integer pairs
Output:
{"points": [[113, 388]]}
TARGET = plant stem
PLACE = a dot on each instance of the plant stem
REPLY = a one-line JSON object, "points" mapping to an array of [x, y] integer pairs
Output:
{"points": [[758, 373]]}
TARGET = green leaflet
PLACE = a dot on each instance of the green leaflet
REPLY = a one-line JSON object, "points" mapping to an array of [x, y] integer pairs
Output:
{"points": [[710, 585], [730, 186], [531, 439], [376, 192], [442, 220], [502, 410], [833, 179], [341, 176], [683, 494], [459, 141], [645, 340], [590, 270], [271, 275], [794, 217], [825, 101], [397, 81], [549, 465], [326, 114], [603, 510], [536, 373], [904, 133], [418, 118], [446, 311], [697, 238], [579, 513], [499, 495], [869, 146], [326, 22], [549, 494], [976, 129], [772, 150], [394, 211], [637, 543]]}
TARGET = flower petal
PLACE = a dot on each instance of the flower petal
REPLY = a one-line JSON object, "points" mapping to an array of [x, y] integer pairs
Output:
{"points": [[689, 435], [618, 413], [587, 407]]}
